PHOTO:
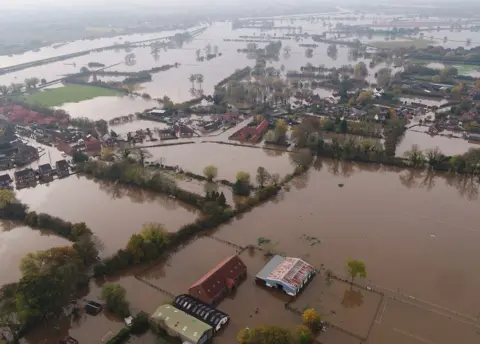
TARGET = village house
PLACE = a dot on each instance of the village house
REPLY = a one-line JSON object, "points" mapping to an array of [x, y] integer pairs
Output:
{"points": [[62, 168], [166, 134], [215, 284], [180, 325], [92, 144], [5, 181], [253, 134], [45, 171], [24, 176]]}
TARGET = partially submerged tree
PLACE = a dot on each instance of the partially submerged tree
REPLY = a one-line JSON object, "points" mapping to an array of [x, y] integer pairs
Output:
{"points": [[262, 176], [210, 172], [115, 299], [311, 319], [356, 268]]}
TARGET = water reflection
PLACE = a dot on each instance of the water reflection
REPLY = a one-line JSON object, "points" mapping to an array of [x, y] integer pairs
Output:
{"points": [[352, 298]]}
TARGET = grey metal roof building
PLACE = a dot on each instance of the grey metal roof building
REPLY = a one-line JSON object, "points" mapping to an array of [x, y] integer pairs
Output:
{"points": [[286, 273], [201, 311]]}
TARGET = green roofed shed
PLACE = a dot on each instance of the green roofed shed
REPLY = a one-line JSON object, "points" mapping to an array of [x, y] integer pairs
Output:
{"points": [[179, 324]]}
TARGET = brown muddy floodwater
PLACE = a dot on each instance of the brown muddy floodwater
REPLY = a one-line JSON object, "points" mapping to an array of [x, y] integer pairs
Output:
{"points": [[416, 233], [228, 159], [448, 146], [108, 107], [16, 242], [112, 211]]}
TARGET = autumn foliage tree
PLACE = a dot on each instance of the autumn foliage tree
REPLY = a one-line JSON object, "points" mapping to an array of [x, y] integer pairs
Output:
{"points": [[303, 335], [311, 319], [210, 172], [265, 335]]}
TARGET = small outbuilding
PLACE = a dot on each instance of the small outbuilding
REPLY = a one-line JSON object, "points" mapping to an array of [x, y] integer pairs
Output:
{"points": [[201, 311], [181, 325], [286, 273]]}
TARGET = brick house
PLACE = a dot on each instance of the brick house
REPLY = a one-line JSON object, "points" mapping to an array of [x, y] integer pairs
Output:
{"points": [[62, 168], [215, 284]]}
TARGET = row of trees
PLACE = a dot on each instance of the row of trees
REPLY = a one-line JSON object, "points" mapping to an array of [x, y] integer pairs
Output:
{"points": [[50, 278], [15, 88]]}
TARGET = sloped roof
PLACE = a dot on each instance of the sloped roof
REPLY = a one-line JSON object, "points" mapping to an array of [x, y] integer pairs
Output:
{"points": [[62, 163], [45, 168], [214, 280], [5, 178], [287, 270], [180, 322]]}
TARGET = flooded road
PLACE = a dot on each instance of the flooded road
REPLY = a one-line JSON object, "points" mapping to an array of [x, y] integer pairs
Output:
{"points": [[16, 242], [112, 211], [390, 220]]}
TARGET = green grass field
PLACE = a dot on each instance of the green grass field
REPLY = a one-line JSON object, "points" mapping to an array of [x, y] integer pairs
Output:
{"points": [[418, 43], [67, 94]]}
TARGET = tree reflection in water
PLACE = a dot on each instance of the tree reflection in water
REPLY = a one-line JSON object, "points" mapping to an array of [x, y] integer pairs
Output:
{"points": [[352, 298]]}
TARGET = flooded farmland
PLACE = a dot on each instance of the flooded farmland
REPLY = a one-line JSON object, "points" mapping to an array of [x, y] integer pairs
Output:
{"points": [[448, 145], [387, 218], [16, 242], [108, 107], [112, 211], [228, 159]]}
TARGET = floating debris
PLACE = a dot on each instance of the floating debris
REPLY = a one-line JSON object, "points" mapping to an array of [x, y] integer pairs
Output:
{"points": [[311, 239], [263, 241], [340, 185]]}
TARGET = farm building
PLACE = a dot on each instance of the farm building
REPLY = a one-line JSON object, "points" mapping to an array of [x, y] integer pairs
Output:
{"points": [[181, 325], [286, 273], [201, 311], [225, 277]]}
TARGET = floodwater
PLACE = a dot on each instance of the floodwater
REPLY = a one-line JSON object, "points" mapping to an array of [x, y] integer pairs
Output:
{"points": [[228, 159], [80, 45], [448, 146], [387, 218], [112, 211], [16, 241], [108, 107], [96, 329]]}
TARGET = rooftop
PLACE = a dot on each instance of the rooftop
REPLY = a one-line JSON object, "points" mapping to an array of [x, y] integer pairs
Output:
{"points": [[180, 322], [228, 269], [199, 309], [287, 270]]}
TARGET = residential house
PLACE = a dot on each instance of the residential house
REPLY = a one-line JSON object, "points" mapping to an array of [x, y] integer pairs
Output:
{"points": [[45, 171], [215, 284], [62, 168], [24, 176], [5, 181], [201, 311], [180, 325], [166, 134], [92, 144]]}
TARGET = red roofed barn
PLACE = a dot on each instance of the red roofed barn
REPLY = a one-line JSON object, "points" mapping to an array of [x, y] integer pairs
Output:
{"points": [[226, 276]]}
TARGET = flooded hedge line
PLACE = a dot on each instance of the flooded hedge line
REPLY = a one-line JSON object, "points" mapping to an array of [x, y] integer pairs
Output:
{"points": [[126, 258], [138, 176], [16, 211]]}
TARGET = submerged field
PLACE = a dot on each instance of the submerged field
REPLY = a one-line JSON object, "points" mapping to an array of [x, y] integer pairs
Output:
{"points": [[417, 43], [67, 94]]}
